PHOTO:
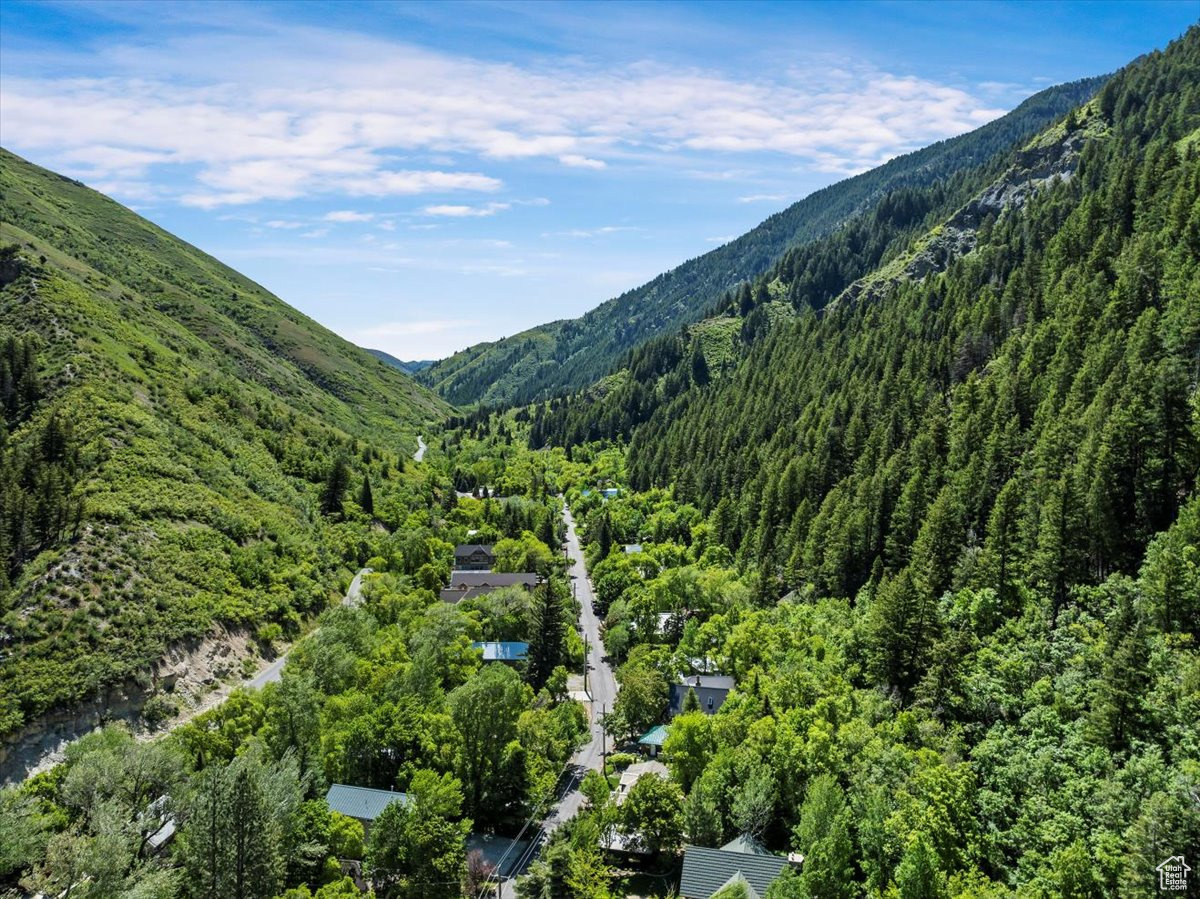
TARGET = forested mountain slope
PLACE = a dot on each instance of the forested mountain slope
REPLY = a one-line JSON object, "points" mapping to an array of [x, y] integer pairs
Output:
{"points": [[941, 525], [1034, 355], [175, 447], [565, 355]]}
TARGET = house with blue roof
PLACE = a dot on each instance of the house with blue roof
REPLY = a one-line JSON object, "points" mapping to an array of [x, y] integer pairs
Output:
{"points": [[503, 651]]}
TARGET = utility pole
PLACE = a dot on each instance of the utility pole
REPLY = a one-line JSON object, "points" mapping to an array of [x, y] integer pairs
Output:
{"points": [[603, 738]]}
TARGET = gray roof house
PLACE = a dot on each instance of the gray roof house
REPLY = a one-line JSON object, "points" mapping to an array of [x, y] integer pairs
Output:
{"points": [[474, 557], [362, 803], [711, 690], [743, 860], [469, 584]]}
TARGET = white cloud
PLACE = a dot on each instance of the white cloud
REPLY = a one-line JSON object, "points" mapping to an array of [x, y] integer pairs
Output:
{"points": [[576, 161], [591, 232], [348, 215], [315, 233], [422, 339], [283, 224], [454, 211], [217, 118], [762, 198]]}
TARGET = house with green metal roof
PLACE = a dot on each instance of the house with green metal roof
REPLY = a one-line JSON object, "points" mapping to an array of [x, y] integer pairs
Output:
{"points": [[651, 742], [741, 862], [362, 803]]}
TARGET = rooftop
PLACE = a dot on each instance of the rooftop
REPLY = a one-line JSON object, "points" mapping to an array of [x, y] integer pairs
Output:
{"points": [[708, 681], [468, 549], [461, 580], [363, 803], [503, 651], [636, 772], [705, 871], [655, 736]]}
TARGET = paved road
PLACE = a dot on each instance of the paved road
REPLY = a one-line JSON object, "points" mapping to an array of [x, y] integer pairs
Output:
{"points": [[273, 672], [602, 686], [420, 453]]}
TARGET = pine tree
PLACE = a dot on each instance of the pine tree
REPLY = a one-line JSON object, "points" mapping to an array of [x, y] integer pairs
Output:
{"points": [[549, 633], [365, 500], [335, 487]]}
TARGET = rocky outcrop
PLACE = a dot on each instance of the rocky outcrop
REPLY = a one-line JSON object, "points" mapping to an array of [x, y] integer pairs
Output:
{"points": [[191, 671], [1036, 166]]}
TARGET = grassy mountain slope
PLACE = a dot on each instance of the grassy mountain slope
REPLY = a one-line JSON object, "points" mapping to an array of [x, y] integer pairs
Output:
{"points": [[566, 355], [169, 429]]}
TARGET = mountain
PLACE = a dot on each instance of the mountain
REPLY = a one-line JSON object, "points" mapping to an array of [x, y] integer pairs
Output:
{"points": [[566, 355], [1005, 395], [409, 368], [940, 524], [174, 439]]}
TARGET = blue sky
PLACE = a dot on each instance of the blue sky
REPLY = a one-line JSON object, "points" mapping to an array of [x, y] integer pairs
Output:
{"points": [[420, 177]]}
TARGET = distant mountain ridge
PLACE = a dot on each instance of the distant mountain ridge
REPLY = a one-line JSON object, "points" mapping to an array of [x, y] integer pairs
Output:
{"points": [[569, 354], [409, 368]]}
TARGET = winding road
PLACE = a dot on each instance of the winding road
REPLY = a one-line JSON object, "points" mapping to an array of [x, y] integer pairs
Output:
{"points": [[421, 447], [273, 672], [603, 688]]}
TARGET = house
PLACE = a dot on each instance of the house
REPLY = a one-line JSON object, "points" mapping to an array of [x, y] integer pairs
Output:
{"points": [[617, 839], [651, 742], [158, 813], [636, 772], [631, 548], [462, 580], [469, 584], [474, 557], [610, 492], [742, 861], [364, 804], [503, 651], [711, 690]]}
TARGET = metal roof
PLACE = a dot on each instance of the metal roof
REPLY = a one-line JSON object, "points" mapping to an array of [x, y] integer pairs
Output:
{"points": [[708, 681], [464, 579], [469, 549], [363, 803], [503, 652], [655, 736], [747, 845], [705, 871]]}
